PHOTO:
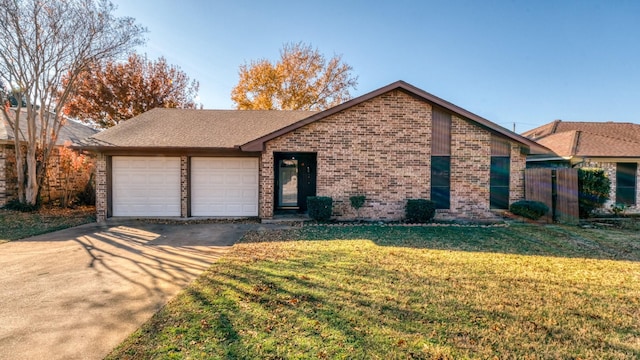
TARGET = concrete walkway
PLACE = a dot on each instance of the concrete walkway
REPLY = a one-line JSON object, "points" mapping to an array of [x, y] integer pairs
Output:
{"points": [[77, 293]]}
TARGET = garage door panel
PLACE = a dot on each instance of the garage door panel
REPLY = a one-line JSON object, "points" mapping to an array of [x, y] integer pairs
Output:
{"points": [[146, 186], [252, 180], [249, 194], [224, 186]]}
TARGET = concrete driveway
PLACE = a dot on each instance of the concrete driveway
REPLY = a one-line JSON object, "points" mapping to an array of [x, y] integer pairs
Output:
{"points": [[77, 293]]}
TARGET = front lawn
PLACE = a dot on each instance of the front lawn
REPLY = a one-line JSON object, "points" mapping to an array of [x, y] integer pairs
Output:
{"points": [[17, 225], [391, 292]]}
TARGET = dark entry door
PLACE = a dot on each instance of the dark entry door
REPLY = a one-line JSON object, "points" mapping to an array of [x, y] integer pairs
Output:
{"points": [[295, 179]]}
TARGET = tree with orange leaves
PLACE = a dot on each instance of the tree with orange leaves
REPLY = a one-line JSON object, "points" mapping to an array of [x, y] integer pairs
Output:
{"points": [[116, 91], [302, 79]]}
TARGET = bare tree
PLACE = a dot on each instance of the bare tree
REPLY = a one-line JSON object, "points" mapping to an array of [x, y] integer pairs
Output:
{"points": [[42, 42]]}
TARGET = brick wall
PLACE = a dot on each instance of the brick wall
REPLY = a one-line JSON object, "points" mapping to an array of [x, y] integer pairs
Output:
{"points": [[58, 180], [610, 169], [52, 186], [381, 148], [470, 166], [516, 179], [4, 197], [8, 176], [101, 188], [184, 186]]}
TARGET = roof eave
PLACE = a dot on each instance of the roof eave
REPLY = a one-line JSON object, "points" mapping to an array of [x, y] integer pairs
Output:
{"points": [[545, 157], [155, 149]]}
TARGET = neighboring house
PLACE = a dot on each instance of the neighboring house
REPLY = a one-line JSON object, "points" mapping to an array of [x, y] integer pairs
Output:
{"points": [[614, 147], [71, 132], [393, 144]]}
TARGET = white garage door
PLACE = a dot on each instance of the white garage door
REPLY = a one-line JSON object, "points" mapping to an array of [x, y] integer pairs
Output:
{"points": [[224, 186], [146, 186]]}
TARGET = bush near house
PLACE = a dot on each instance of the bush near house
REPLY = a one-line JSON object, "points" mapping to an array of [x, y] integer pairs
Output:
{"points": [[529, 209], [420, 210], [357, 202], [593, 190], [320, 207]]}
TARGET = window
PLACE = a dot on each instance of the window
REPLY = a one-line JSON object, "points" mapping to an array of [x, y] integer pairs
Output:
{"points": [[500, 173], [440, 158], [499, 182], [440, 181], [626, 183]]}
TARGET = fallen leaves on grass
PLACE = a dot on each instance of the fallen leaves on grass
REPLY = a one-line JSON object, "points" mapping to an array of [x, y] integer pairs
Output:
{"points": [[407, 293], [17, 225]]}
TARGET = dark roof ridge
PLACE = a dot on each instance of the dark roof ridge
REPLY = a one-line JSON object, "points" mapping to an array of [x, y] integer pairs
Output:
{"points": [[576, 142]]}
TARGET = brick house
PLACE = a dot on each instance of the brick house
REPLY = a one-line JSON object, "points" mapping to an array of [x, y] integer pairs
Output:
{"points": [[614, 147], [392, 144], [71, 132]]}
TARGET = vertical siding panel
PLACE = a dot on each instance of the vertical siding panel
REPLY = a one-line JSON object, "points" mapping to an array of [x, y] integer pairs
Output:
{"points": [[441, 133], [500, 147]]}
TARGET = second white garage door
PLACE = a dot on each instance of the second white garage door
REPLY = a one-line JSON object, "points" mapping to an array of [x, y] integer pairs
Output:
{"points": [[224, 186]]}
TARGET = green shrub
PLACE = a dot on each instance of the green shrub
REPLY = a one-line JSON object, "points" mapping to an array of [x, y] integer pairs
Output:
{"points": [[320, 207], [618, 209], [530, 209], [357, 201], [593, 190], [88, 195], [420, 210], [16, 205]]}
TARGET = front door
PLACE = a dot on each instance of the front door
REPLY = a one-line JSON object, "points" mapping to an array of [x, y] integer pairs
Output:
{"points": [[295, 180]]}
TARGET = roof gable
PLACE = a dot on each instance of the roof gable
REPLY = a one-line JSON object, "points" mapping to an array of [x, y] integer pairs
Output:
{"points": [[576, 138], [587, 144], [258, 144]]}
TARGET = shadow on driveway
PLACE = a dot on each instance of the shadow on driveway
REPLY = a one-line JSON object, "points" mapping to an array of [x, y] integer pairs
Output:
{"points": [[77, 293]]}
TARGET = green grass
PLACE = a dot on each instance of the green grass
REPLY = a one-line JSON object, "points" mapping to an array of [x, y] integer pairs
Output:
{"points": [[18, 225], [386, 292]]}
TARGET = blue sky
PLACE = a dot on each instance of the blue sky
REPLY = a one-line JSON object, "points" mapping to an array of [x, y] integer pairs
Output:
{"points": [[522, 62]]}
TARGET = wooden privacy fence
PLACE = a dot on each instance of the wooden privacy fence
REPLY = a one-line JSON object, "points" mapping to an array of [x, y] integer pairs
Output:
{"points": [[558, 189]]}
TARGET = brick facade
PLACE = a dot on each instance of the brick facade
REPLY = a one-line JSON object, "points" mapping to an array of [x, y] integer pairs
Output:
{"points": [[470, 165], [4, 153], [381, 148], [610, 169], [516, 178], [8, 175], [53, 185], [101, 188], [184, 186]]}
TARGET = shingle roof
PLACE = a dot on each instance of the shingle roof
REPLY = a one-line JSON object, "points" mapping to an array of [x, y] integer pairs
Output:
{"points": [[188, 128], [70, 131], [602, 139], [248, 130]]}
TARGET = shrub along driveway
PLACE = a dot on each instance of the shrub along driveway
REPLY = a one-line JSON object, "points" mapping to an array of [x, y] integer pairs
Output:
{"points": [[78, 292]]}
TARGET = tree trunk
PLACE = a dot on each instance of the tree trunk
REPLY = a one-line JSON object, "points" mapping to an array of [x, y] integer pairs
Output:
{"points": [[20, 170], [31, 190]]}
